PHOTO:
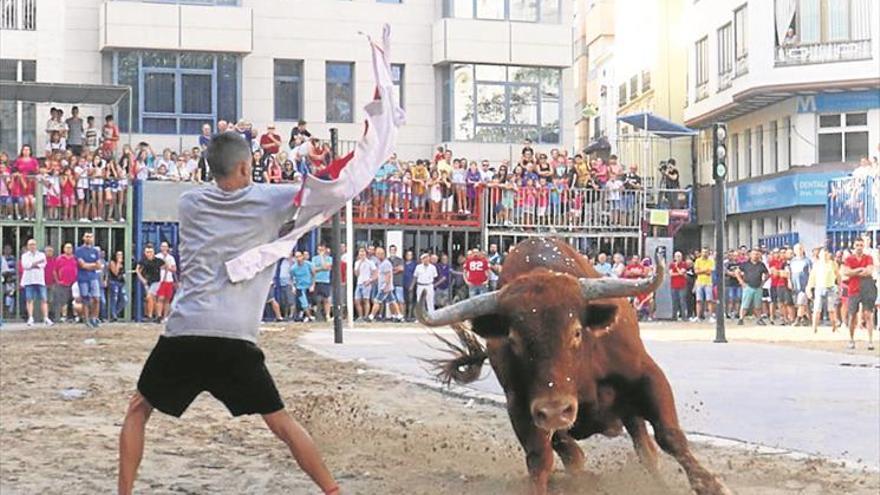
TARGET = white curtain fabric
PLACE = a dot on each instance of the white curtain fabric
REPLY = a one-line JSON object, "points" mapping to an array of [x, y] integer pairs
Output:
{"points": [[837, 17], [785, 10], [860, 19], [810, 21]]}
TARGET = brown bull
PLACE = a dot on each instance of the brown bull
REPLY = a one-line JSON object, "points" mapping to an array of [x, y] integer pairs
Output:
{"points": [[565, 346]]}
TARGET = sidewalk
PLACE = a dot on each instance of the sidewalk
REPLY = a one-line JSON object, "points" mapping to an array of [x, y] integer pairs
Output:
{"points": [[798, 400]]}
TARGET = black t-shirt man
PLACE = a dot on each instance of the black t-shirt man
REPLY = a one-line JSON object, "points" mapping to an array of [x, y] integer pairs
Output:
{"points": [[151, 269], [752, 273], [258, 171], [632, 181], [731, 266]]}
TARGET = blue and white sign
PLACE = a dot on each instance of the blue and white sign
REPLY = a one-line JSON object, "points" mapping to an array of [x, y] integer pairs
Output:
{"points": [[848, 101], [806, 189]]}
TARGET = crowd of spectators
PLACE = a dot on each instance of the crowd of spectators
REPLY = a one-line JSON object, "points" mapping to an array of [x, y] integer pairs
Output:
{"points": [[782, 286], [76, 285]]}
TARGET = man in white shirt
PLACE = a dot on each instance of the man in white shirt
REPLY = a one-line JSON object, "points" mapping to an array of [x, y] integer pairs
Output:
{"points": [[423, 278], [33, 281], [366, 273], [166, 281]]}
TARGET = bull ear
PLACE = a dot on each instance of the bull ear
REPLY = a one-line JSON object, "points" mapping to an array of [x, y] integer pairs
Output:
{"points": [[597, 316], [490, 326]]}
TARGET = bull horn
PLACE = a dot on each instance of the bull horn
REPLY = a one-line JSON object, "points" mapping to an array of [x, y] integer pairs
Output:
{"points": [[470, 308], [601, 288]]}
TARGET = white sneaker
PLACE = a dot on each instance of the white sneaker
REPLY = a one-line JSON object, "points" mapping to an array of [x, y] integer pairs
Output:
{"points": [[851, 345], [870, 346], [693, 319], [47, 322], [30, 321]]}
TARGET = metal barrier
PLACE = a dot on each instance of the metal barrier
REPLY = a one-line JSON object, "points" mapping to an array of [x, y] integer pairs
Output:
{"points": [[779, 240], [853, 204], [536, 208]]}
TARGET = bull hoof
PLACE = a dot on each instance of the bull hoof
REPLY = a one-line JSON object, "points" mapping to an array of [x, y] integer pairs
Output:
{"points": [[711, 486]]}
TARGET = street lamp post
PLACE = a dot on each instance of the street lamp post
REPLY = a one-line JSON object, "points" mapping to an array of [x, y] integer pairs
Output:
{"points": [[335, 247], [719, 173]]}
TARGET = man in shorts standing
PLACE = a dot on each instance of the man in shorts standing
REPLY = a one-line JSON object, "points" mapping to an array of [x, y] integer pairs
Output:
{"points": [[365, 273], [385, 294], [861, 290], [799, 267], [88, 279], [780, 293], [322, 266], [734, 289], [209, 343], [703, 290], [165, 293], [149, 272], [751, 276]]}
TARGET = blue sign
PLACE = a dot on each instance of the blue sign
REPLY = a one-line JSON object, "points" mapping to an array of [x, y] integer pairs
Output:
{"points": [[805, 189], [847, 101]]}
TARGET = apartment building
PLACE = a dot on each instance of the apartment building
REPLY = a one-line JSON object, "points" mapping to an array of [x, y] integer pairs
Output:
{"points": [[480, 76], [594, 72], [798, 83]]}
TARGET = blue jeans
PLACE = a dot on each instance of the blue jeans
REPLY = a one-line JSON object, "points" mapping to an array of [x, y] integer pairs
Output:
{"points": [[118, 299], [476, 290], [680, 303]]}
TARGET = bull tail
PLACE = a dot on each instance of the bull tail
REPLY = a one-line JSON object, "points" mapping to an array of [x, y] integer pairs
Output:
{"points": [[468, 356]]}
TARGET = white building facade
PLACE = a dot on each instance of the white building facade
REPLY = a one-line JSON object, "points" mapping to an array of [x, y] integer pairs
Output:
{"points": [[480, 76], [798, 84]]}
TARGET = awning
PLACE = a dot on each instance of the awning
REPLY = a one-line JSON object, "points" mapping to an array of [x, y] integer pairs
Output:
{"points": [[657, 125], [74, 94]]}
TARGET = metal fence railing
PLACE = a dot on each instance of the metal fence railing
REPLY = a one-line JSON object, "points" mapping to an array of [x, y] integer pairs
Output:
{"points": [[18, 14], [550, 209], [853, 203]]}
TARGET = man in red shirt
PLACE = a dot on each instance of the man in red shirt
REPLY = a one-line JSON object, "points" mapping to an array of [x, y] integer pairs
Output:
{"points": [[476, 273], [270, 142], [861, 289], [780, 293], [678, 284]]}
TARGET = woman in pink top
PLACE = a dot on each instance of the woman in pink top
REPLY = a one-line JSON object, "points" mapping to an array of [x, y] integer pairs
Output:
{"points": [[27, 166], [65, 270], [600, 172]]}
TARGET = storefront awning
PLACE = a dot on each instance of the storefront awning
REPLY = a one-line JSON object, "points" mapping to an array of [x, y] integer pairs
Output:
{"points": [[656, 125], [73, 94]]}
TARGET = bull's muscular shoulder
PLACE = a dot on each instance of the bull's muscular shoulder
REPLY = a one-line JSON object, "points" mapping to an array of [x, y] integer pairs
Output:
{"points": [[551, 254], [620, 351]]}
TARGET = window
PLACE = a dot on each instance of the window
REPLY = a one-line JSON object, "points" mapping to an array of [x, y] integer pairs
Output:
{"points": [[747, 135], [823, 21], [735, 172], [546, 11], [288, 89], [397, 77], [843, 137], [18, 14], [725, 56], [740, 27], [759, 148], [621, 95], [634, 86], [175, 93], [340, 91], [18, 119], [787, 124], [501, 104], [774, 148], [702, 67], [646, 80]]}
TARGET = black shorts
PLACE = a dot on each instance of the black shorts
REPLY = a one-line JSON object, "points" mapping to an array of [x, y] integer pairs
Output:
{"points": [[322, 291], [781, 295], [866, 298], [232, 370]]}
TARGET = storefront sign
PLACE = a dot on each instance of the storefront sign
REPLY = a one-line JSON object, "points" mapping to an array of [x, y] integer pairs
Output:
{"points": [[807, 189]]}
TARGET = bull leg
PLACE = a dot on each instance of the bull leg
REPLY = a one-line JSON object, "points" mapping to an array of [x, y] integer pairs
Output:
{"points": [[569, 451], [642, 443], [670, 438], [535, 443]]}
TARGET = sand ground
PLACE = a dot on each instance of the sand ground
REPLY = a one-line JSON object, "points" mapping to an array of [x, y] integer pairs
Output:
{"points": [[379, 435]]}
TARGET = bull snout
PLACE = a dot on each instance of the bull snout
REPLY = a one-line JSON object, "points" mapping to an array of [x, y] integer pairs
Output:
{"points": [[554, 413]]}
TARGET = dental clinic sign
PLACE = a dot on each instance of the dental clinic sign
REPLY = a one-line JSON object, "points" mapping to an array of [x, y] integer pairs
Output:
{"points": [[806, 189]]}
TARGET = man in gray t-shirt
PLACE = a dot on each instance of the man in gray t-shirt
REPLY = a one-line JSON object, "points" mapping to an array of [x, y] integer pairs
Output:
{"points": [[75, 132], [398, 264], [210, 338], [385, 288]]}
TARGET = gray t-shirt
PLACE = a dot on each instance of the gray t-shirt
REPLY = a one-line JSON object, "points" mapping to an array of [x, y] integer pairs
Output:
{"points": [[397, 261], [385, 268], [75, 131], [215, 227]]}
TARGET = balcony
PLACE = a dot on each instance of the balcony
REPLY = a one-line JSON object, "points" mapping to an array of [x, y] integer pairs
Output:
{"points": [[725, 80], [853, 204], [18, 15], [820, 53]]}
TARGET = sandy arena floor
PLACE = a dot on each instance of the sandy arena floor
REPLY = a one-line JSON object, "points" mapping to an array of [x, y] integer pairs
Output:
{"points": [[379, 435]]}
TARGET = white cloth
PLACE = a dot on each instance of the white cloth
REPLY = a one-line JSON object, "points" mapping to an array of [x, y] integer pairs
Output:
{"points": [[166, 275], [33, 266], [320, 199]]}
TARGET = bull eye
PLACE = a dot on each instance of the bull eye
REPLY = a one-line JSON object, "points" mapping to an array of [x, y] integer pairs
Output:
{"points": [[577, 334]]}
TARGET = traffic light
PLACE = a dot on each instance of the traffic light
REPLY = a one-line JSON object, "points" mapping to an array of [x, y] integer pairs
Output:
{"points": [[719, 151]]}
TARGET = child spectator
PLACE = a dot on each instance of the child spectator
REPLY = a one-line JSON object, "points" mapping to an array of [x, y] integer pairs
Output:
{"points": [[459, 186], [473, 181], [273, 170], [91, 135], [52, 183], [109, 137], [96, 189], [26, 167], [6, 209], [68, 193]]}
